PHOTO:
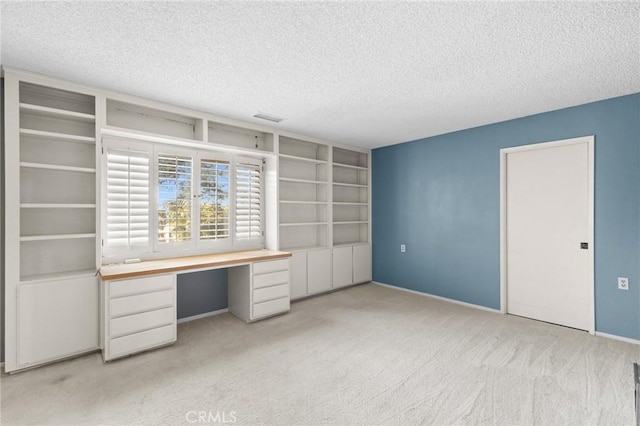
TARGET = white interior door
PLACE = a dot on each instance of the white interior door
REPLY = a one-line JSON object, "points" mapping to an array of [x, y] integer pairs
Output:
{"points": [[549, 218]]}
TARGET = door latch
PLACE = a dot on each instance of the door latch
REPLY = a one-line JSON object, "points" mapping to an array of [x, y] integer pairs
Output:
{"points": [[584, 246]]}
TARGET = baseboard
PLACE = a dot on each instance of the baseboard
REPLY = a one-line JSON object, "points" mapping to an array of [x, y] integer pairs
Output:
{"points": [[205, 315], [445, 299], [620, 338]]}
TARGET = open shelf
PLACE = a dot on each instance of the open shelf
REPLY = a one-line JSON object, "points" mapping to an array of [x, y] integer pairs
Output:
{"points": [[49, 98], [153, 121], [57, 167], [48, 112], [316, 182], [354, 185], [302, 248], [296, 158], [303, 223], [56, 237], [349, 203], [49, 257], [32, 279], [56, 206], [59, 136], [240, 137], [351, 243], [301, 202], [300, 150], [350, 222], [349, 166], [350, 159]]}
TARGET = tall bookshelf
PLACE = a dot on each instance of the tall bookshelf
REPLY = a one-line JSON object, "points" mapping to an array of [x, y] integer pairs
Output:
{"points": [[350, 197], [51, 205], [304, 195]]}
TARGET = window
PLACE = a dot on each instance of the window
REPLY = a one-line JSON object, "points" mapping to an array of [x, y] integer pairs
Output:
{"points": [[175, 198], [127, 201], [249, 200], [202, 202], [214, 200]]}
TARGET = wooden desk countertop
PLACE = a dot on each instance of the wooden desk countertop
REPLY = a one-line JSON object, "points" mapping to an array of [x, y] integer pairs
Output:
{"points": [[219, 260]]}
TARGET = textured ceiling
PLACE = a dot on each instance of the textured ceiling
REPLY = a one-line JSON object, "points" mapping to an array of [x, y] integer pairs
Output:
{"points": [[362, 73]]}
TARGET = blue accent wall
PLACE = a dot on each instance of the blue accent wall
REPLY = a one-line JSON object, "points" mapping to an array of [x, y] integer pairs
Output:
{"points": [[441, 197]]}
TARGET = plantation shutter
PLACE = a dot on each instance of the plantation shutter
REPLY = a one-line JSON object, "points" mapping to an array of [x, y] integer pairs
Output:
{"points": [[175, 198], [127, 221], [249, 200], [214, 199]]}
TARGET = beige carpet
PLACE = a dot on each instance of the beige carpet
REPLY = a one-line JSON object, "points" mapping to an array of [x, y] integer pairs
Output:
{"points": [[365, 355]]}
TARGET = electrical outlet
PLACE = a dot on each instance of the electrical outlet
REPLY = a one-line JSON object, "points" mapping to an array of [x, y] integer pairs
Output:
{"points": [[623, 283], [402, 248]]}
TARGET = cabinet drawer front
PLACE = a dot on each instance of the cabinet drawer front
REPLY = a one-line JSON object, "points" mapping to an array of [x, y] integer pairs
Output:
{"points": [[271, 307], [270, 293], [270, 266], [140, 322], [273, 278], [141, 285], [141, 303], [140, 341]]}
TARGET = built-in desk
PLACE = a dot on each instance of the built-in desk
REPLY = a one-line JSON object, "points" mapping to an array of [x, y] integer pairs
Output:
{"points": [[139, 299]]}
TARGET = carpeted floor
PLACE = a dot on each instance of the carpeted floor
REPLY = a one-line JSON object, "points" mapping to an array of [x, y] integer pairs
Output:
{"points": [[364, 355]]}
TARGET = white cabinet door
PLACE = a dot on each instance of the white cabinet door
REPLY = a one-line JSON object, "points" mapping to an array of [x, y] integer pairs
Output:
{"points": [[342, 266], [319, 270], [298, 274], [57, 319], [362, 263]]}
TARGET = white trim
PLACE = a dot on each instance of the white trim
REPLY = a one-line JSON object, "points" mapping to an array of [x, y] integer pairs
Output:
{"points": [[590, 141], [444, 299], [619, 338], [200, 316]]}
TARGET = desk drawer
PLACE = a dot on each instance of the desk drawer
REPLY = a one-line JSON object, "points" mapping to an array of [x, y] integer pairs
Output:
{"points": [[141, 285], [140, 341], [270, 293], [273, 278], [270, 308], [141, 303], [271, 266], [140, 322]]}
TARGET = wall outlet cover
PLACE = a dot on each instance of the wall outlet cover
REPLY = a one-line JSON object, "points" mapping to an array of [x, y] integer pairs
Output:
{"points": [[623, 283]]}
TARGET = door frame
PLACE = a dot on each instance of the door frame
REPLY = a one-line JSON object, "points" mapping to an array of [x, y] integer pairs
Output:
{"points": [[590, 141]]}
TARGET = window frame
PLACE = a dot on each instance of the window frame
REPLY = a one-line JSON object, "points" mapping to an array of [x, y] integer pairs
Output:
{"points": [[156, 249]]}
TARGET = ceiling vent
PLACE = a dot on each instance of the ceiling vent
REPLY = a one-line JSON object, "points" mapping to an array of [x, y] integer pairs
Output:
{"points": [[269, 117]]}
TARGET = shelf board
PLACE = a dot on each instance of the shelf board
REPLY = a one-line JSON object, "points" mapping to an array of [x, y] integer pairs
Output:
{"points": [[58, 136], [303, 223], [56, 237], [349, 166], [353, 185], [282, 179], [302, 202], [351, 243], [57, 167], [302, 159], [302, 248], [348, 203], [349, 222], [58, 276], [56, 206], [57, 113]]}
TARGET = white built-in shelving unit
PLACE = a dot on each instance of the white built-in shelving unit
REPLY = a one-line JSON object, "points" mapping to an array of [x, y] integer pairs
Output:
{"points": [[324, 214], [52, 220], [304, 195], [316, 203]]}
